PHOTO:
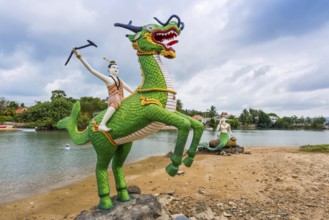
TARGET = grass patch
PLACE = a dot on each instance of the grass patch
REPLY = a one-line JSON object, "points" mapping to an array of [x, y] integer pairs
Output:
{"points": [[321, 148]]}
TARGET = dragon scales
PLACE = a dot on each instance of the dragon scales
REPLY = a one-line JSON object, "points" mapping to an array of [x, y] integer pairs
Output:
{"points": [[147, 110]]}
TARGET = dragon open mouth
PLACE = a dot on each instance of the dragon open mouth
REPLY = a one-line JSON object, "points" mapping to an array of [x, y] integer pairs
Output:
{"points": [[166, 38]]}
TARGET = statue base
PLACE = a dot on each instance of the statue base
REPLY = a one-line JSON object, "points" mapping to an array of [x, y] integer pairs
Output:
{"points": [[141, 206], [226, 151], [230, 148]]}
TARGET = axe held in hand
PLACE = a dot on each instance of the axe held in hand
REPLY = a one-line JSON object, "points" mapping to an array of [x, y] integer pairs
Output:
{"points": [[90, 43]]}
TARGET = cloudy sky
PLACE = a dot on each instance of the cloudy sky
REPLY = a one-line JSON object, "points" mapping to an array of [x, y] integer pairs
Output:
{"points": [[234, 54]]}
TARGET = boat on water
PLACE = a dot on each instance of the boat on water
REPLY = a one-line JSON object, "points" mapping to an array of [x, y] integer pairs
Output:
{"points": [[28, 129], [3, 126], [67, 147]]}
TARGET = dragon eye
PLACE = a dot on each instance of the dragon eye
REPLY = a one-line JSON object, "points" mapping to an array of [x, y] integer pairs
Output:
{"points": [[149, 27]]}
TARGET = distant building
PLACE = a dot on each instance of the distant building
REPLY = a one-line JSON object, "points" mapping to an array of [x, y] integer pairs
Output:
{"points": [[200, 118], [273, 119], [21, 110], [218, 117]]}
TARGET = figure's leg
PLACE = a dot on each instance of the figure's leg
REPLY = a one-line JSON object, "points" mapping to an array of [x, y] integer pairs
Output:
{"points": [[117, 163], [197, 133], [108, 114], [182, 124], [105, 152]]}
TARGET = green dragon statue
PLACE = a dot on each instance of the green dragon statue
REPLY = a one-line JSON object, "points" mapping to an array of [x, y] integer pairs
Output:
{"points": [[147, 110]]}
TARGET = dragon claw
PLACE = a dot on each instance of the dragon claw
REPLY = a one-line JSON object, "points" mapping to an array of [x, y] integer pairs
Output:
{"points": [[123, 195], [188, 161], [105, 203], [172, 169]]}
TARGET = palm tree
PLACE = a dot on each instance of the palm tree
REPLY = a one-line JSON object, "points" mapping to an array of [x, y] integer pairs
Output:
{"points": [[179, 106], [212, 111]]}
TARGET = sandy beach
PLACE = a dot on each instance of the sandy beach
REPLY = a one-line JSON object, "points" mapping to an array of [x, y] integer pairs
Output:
{"points": [[269, 183], [9, 128]]}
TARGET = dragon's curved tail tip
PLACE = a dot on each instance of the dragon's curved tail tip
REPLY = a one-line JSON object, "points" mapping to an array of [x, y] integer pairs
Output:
{"points": [[206, 145], [203, 144], [70, 123]]}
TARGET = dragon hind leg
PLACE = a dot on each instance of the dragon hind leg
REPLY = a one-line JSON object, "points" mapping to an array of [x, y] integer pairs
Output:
{"points": [[119, 158], [105, 152]]}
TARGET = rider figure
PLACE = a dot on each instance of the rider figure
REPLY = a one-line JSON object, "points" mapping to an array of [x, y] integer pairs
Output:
{"points": [[114, 86]]}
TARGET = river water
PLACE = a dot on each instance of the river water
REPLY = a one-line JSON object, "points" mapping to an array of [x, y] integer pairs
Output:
{"points": [[35, 162]]}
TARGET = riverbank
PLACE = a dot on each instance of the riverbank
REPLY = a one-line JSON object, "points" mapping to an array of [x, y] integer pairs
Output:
{"points": [[271, 181], [8, 128]]}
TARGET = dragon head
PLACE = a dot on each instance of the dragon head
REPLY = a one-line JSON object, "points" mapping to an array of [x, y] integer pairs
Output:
{"points": [[155, 38]]}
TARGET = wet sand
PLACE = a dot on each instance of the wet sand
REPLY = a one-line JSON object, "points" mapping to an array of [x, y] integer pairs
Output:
{"points": [[9, 128], [273, 179]]}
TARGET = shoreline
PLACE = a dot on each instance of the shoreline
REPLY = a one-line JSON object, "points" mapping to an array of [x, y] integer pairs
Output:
{"points": [[9, 128], [267, 173]]}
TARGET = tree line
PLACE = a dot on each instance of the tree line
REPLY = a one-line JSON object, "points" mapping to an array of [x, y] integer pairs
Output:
{"points": [[263, 120], [253, 118], [47, 114]]}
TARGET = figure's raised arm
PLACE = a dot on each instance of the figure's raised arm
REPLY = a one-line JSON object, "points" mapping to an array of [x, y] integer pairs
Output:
{"points": [[88, 67], [128, 88]]}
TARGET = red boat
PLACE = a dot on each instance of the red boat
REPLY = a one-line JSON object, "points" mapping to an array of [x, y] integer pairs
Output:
{"points": [[3, 126]]}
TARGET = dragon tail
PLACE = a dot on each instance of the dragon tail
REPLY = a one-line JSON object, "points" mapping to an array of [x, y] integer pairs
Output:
{"points": [[217, 148], [206, 145], [70, 123], [203, 144]]}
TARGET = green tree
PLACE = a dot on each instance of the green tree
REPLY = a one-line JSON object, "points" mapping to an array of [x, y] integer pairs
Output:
{"points": [[83, 121], [284, 123], [91, 105], [245, 118], [233, 122], [254, 115], [212, 112], [301, 120], [3, 104], [13, 105], [308, 122], [213, 123], [273, 114], [57, 94], [47, 114], [179, 106], [264, 120], [318, 122], [192, 112]]}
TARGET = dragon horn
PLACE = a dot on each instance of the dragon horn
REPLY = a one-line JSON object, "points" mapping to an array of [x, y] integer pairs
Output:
{"points": [[180, 24], [129, 27]]}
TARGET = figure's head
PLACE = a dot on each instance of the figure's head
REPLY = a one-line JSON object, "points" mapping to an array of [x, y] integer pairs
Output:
{"points": [[113, 68], [223, 117], [155, 38]]}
